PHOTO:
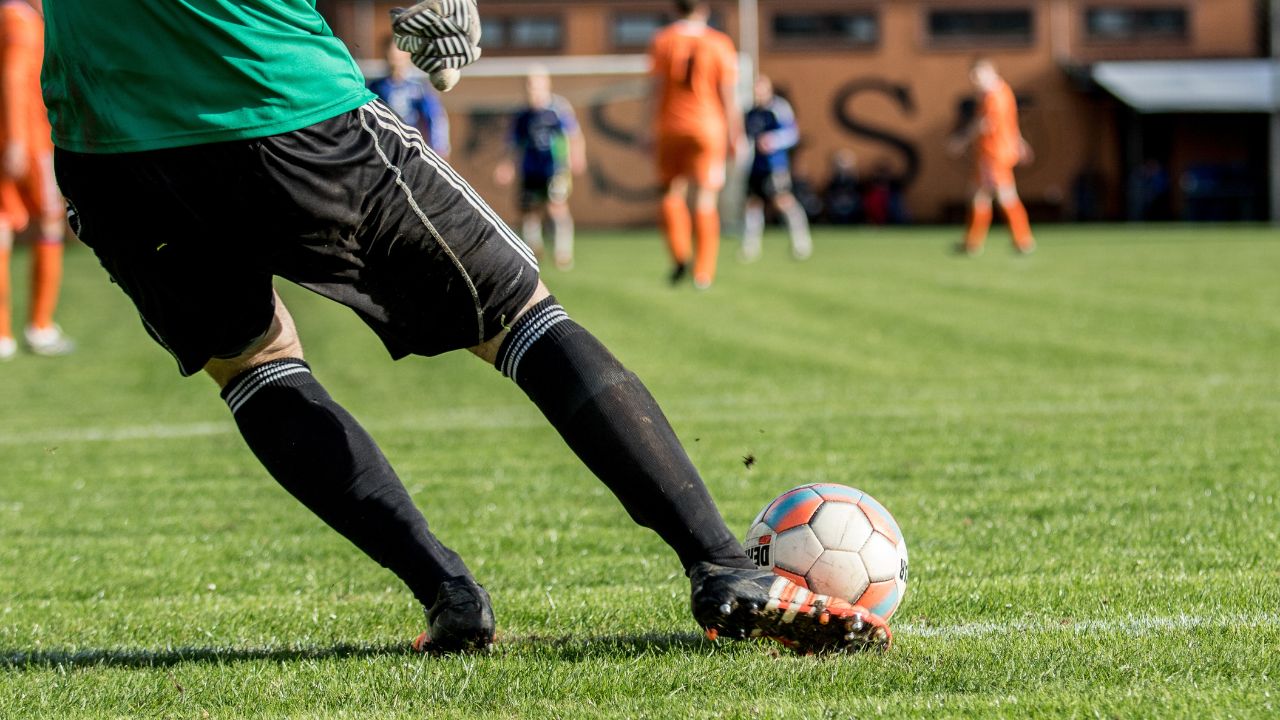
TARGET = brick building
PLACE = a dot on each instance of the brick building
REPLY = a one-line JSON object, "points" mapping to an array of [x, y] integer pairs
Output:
{"points": [[888, 80]]}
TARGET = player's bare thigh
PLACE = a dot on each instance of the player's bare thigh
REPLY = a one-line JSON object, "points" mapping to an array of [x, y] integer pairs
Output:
{"points": [[488, 351], [279, 342]]}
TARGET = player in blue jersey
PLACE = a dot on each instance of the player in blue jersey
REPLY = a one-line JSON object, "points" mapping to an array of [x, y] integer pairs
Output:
{"points": [[771, 129], [546, 144], [417, 104]]}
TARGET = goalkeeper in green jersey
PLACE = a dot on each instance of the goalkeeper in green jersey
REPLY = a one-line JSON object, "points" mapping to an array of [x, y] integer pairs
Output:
{"points": [[206, 147]]}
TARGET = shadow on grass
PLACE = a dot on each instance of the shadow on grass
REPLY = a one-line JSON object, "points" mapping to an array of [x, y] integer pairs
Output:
{"points": [[574, 648], [567, 648], [141, 658]]}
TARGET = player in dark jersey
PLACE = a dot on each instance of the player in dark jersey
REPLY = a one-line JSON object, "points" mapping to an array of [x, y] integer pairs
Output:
{"points": [[280, 163], [418, 105], [771, 129], [546, 145]]}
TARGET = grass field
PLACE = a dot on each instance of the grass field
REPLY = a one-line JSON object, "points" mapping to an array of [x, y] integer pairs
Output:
{"points": [[1081, 448]]}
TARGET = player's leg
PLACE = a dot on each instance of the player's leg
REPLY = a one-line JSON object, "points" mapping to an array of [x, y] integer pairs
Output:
{"points": [[752, 229], [13, 214], [611, 421], [532, 205], [561, 220], [707, 161], [797, 220], [43, 335], [979, 212], [677, 223], [322, 456], [8, 347], [1016, 214]]}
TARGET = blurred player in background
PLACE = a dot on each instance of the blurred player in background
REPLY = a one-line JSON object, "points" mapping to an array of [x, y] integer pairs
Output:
{"points": [[418, 105], [27, 187], [998, 146], [696, 125], [771, 129], [547, 145], [196, 196]]}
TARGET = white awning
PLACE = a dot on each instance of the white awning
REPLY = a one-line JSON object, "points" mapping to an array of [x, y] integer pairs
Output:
{"points": [[1192, 86]]}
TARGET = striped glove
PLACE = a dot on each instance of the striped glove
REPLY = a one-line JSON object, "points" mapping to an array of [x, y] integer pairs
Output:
{"points": [[441, 36]]}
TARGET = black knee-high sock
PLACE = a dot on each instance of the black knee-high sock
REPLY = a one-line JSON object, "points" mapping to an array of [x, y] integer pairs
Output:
{"points": [[610, 420], [322, 456]]}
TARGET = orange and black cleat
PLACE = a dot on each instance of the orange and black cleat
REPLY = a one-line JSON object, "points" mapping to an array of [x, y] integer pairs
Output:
{"points": [[744, 603]]}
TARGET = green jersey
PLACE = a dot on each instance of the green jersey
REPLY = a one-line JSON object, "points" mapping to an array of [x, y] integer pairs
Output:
{"points": [[129, 75]]}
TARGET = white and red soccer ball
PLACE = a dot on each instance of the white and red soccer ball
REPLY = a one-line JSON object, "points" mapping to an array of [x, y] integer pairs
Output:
{"points": [[833, 540]]}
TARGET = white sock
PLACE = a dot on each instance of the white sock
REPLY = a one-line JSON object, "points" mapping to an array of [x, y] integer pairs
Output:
{"points": [[752, 230], [798, 226], [563, 228], [532, 232]]}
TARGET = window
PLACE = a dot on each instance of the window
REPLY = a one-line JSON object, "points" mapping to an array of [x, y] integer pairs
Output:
{"points": [[633, 30], [521, 33], [800, 29], [1123, 23], [1007, 26]]}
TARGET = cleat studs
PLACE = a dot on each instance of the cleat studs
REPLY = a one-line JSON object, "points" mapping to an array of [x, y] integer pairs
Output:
{"points": [[824, 618], [712, 634], [725, 609]]}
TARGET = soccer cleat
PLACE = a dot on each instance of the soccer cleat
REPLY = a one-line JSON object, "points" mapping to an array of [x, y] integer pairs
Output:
{"points": [[1024, 250], [8, 348], [678, 272], [460, 620], [742, 603], [50, 341]]}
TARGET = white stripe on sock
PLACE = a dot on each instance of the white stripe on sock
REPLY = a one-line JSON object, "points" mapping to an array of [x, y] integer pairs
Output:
{"points": [[285, 372]]}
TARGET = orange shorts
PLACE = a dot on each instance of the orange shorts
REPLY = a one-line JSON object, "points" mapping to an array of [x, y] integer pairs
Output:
{"points": [[35, 195], [992, 174], [700, 158]]}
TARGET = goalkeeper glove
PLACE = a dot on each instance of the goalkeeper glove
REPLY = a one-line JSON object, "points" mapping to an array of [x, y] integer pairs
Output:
{"points": [[441, 36]]}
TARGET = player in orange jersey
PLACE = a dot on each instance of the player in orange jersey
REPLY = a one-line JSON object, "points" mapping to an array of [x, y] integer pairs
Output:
{"points": [[998, 146], [696, 125], [27, 187]]}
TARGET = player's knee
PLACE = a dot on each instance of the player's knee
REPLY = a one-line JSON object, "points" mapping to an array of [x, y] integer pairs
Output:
{"points": [[1008, 195], [488, 350], [279, 342], [707, 198]]}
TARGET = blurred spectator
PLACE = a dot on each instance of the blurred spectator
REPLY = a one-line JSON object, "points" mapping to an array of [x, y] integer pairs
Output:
{"points": [[843, 198], [882, 197]]}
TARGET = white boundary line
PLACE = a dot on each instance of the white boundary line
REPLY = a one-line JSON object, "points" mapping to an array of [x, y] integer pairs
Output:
{"points": [[1131, 625], [116, 434]]}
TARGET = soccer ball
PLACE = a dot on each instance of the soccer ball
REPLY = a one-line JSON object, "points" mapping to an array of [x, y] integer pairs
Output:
{"points": [[836, 541]]}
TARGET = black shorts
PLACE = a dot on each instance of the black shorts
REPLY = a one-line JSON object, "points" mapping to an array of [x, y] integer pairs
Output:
{"points": [[538, 190], [355, 208], [769, 185]]}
